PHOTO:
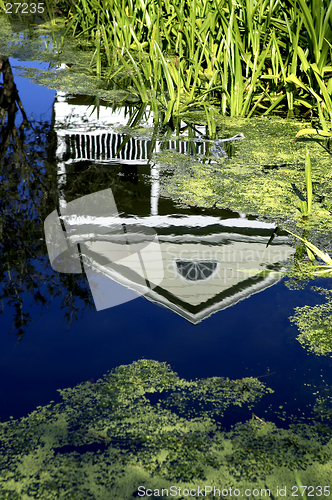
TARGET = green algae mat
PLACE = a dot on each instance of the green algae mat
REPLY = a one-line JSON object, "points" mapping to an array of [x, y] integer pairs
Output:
{"points": [[264, 176], [143, 427]]}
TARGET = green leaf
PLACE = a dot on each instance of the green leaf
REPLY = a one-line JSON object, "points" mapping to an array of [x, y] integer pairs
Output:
{"points": [[322, 255], [312, 131], [308, 180]]}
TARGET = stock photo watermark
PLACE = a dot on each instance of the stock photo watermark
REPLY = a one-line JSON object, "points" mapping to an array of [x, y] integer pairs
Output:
{"points": [[218, 492]]}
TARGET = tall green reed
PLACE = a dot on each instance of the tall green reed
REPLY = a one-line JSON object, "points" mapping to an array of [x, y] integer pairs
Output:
{"points": [[305, 206], [252, 57]]}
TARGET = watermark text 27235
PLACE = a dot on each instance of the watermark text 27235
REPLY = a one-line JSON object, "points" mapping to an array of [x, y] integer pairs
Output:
{"points": [[24, 8]]}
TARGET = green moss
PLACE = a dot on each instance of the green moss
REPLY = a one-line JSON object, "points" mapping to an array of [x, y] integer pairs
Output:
{"points": [[315, 325], [143, 425], [264, 176]]}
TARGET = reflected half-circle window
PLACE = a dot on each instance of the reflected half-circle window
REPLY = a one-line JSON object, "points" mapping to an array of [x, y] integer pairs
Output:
{"points": [[196, 270]]}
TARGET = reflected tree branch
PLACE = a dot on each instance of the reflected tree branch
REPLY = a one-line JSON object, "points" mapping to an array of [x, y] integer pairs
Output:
{"points": [[28, 193], [9, 95], [9, 99]]}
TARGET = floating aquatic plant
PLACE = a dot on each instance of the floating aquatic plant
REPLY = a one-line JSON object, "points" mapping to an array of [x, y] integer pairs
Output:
{"points": [[132, 428], [315, 325], [257, 178]]}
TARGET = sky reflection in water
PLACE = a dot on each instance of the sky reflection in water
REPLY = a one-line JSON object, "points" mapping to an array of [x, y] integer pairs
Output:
{"points": [[199, 334]]}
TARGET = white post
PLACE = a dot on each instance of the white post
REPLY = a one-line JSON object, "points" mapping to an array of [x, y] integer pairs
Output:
{"points": [[155, 188]]}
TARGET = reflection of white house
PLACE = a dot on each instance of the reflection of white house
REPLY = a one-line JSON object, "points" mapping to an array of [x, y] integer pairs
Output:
{"points": [[87, 133], [194, 265], [206, 274], [94, 133]]}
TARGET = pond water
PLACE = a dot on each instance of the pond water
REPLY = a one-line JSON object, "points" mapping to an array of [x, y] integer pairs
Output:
{"points": [[101, 268]]}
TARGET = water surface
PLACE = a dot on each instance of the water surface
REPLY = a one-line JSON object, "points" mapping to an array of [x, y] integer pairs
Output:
{"points": [[100, 268]]}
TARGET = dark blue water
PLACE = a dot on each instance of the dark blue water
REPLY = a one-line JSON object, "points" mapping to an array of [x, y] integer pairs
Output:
{"points": [[38, 100], [61, 346]]}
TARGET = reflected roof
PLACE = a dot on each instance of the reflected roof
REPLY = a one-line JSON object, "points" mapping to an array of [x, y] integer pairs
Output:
{"points": [[193, 264]]}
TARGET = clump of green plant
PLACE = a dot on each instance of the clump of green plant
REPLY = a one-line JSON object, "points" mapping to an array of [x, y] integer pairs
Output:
{"points": [[264, 175], [247, 57], [132, 428], [313, 252], [315, 325]]}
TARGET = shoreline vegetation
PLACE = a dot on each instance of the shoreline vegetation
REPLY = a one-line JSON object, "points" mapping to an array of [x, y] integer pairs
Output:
{"points": [[252, 57]]}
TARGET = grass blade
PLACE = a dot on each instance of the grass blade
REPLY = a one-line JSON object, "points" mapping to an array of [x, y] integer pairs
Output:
{"points": [[308, 181]]}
